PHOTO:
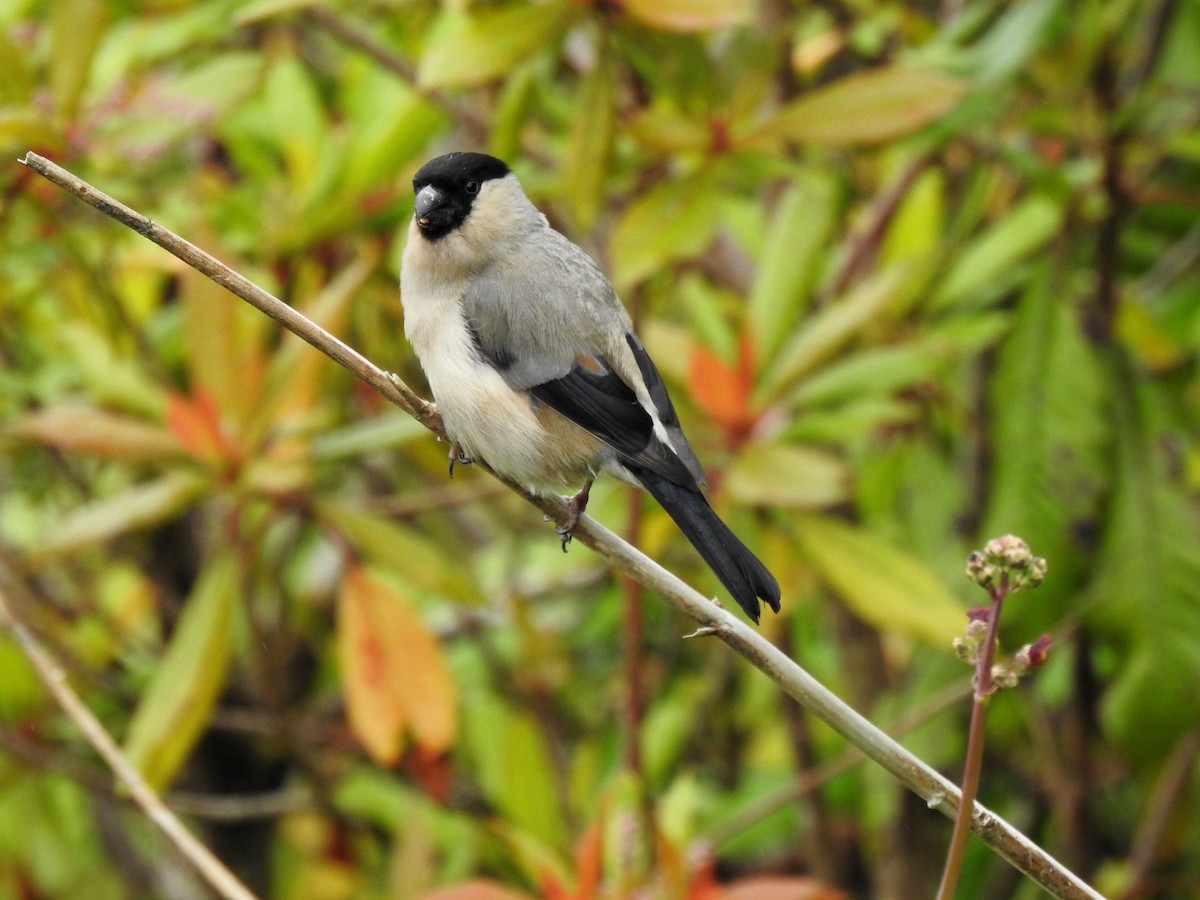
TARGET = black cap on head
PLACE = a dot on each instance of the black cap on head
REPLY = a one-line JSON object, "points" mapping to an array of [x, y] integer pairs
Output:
{"points": [[455, 170], [453, 180]]}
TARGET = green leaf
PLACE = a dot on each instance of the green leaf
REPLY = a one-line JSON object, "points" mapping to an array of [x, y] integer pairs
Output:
{"points": [[1049, 417], [980, 270], [890, 370], [297, 123], [877, 371], [917, 229], [1146, 575], [667, 131], [401, 550], [132, 509], [589, 144], [676, 219], [867, 108], [788, 476], [518, 96], [183, 692], [885, 586], [669, 728], [851, 422], [790, 261], [114, 381], [383, 432], [1151, 703], [826, 332], [1012, 41], [514, 768], [261, 10], [391, 127], [706, 306], [465, 50], [219, 84]]}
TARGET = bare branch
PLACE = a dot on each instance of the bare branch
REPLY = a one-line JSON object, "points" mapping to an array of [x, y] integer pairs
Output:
{"points": [[938, 792]]}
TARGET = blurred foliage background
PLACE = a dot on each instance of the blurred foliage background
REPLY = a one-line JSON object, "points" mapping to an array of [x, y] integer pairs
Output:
{"points": [[917, 274]]}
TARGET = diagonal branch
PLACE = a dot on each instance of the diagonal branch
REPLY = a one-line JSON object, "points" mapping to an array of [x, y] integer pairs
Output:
{"points": [[938, 792]]}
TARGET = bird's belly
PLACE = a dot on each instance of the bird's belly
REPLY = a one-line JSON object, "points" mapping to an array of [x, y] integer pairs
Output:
{"points": [[507, 429]]}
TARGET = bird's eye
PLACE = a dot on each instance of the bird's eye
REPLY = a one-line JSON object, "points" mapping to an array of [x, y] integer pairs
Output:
{"points": [[472, 187]]}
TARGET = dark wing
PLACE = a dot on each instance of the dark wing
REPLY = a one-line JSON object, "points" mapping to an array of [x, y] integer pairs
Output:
{"points": [[666, 409], [592, 395]]}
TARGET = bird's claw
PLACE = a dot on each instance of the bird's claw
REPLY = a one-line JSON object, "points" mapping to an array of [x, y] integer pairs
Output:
{"points": [[458, 456], [576, 504]]}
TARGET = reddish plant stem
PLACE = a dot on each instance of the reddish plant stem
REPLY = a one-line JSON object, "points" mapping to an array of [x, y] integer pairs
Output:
{"points": [[631, 652], [976, 736]]}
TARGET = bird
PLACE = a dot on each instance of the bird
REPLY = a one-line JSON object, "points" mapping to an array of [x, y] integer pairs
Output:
{"points": [[534, 364]]}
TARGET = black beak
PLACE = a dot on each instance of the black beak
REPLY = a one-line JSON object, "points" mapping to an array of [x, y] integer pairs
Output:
{"points": [[433, 211]]}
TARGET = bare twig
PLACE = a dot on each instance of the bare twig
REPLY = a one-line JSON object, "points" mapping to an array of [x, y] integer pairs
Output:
{"points": [[52, 675], [938, 792]]}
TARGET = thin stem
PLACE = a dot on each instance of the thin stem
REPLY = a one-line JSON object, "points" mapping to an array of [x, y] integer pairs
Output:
{"points": [[937, 791], [631, 653], [976, 736]]}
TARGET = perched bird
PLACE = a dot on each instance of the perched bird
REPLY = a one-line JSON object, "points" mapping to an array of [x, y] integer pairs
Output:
{"points": [[534, 365]]}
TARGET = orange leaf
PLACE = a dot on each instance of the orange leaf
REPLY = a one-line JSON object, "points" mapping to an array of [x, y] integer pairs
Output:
{"points": [[393, 673], [723, 390], [431, 771], [196, 423], [703, 885], [589, 860], [96, 432], [479, 889]]}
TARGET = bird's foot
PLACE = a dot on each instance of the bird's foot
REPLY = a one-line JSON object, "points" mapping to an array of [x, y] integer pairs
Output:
{"points": [[458, 456], [576, 504]]}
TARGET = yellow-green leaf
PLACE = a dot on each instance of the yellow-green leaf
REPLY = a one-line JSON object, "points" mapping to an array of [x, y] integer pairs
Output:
{"points": [[298, 122], [1028, 226], [134, 508], [676, 219], [183, 692], [464, 50], [114, 381], [403, 551], [687, 16], [885, 586], [76, 27], [589, 143], [867, 108], [513, 765], [823, 334], [918, 227], [97, 432], [394, 675], [785, 475], [789, 263], [668, 131]]}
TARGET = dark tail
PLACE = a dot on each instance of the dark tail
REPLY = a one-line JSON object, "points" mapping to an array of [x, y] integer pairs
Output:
{"points": [[743, 575]]}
